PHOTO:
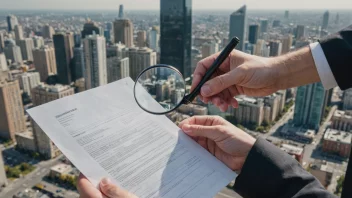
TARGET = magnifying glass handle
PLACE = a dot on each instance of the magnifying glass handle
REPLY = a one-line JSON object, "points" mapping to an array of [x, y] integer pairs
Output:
{"points": [[216, 64]]}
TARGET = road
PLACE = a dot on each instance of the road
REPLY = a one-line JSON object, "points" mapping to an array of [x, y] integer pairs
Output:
{"points": [[278, 124], [30, 180], [49, 187]]}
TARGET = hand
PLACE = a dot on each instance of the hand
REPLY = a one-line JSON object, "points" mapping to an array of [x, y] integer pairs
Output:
{"points": [[225, 141], [107, 189]]}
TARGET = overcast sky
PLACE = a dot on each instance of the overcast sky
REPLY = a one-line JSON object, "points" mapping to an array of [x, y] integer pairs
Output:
{"points": [[154, 4]]}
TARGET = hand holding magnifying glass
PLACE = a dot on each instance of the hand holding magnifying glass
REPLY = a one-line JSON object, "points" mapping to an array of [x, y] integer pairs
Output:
{"points": [[167, 86]]}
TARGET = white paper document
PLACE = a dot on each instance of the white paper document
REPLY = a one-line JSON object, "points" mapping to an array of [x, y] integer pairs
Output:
{"points": [[104, 133]]}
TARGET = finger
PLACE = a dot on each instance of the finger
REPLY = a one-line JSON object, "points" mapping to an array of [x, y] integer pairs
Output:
{"points": [[199, 120], [234, 103], [112, 191], [86, 189], [215, 133]]}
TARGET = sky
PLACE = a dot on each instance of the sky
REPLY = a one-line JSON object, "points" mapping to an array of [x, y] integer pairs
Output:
{"points": [[154, 4]]}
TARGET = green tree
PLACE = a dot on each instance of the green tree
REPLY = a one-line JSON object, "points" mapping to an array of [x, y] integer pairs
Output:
{"points": [[25, 166], [260, 129], [339, 185]]}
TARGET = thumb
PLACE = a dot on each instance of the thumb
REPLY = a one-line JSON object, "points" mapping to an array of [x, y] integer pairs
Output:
{"points": [[219, 83], [214, 133], [112, 191]]}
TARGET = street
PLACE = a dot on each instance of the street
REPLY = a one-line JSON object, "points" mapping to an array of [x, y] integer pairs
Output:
{"points": [[278, 124]]}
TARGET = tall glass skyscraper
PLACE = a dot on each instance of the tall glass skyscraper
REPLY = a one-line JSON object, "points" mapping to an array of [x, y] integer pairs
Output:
{"points": [[310, 104], [176, 34], [238, 26], [63, 44], [253, 33]]}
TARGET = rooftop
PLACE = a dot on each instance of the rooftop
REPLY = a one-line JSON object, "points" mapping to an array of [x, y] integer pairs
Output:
{"points": [[291, 149], [343, 114], [53, 88], [322, 166], [338, 136], [26, 134], [61, 168]]}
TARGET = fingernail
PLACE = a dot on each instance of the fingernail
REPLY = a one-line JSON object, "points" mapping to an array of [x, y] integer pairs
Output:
{"points": [[105, 181], [186, 128], [205, 90]]}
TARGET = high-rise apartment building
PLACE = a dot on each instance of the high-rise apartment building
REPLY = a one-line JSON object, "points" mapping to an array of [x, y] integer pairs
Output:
{"points": [[264, 25], [48, 32], [176, 34], [325, 20], [309, 106], [3, 63], [141, 38], [26, 45], [342, 120], [11, 22], [38, 41], [300, 32], [40, 95], [287, 43], [249, 111], [117, 68], [63, 44], [18, 32], [121, 12], [44, 60], [238, 20], [90, 28], [347, 99], [209, 48], [118, 50], [123, 32], [28, 81], [253, 34], [153, 38], [275, 48], [140, 58], [13, 52], [94, 50], [11, 110], [79, 63]]}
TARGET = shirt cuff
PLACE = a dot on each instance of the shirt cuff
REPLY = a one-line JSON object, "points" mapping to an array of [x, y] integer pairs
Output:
{"points": [[326, 76]]}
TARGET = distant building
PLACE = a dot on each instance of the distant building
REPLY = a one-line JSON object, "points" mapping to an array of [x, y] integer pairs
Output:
{"points": [[323, 171], [264, 24], [287, 14], [3, 178], [80, 85], [309, 106], [123, 32], [325, 20], [25, 141], [347, 99], [90, 28], [28, 81], [140, 58], [45, 61], [299, 134], [121, 12], [275, 48], [261, 49], [117, 68], [26, 45], [342, 120], [63, 44], [18, 32], [38, 41], [337, 142], [11, 110], [59, 170], [94, 49], [3, 62], [209, 48], [249, 111], [11, 22], [238, 20], [276, 23], [153, 39], [48, 32], [287, 43], [273, 101], [176, 34], [13, 52], [192, 109], [141, 38], [300, 32], [2, 41], [78, 63], [294, 150], [253, 34]]}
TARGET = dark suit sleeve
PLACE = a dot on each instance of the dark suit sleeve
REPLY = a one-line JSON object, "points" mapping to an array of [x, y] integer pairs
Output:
{"points": [[338, 52], [270, 172]]}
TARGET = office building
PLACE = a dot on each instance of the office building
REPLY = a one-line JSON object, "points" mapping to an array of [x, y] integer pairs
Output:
{"points": [[78, 63], [2, 41], [275, 48], [153, 38], [3, 178], [276, 23], [94, 50], [107, 35], [11, 22], [44, 60], [48, 32], [25, 141], [323, 171], [325, 21], [123, 32], [63, 44], [238, 20], [209, 48], [282, 96], [140, 58], [260, 48], [11, 110], [249, 111], [309, 106], [287, 43], [342, 120], [118, 50], [337, 142], [28, 81], [3, 62], [253, 34], [347, 99], [141, 38], [13, 52], [40, 95], [300, 32], [121, 12], [18, 33], [117, 68], [38, 41], [287, 14], [272, 101], [294, 150], [176, 34], [90, 28], [264, 25], [26, 45]]}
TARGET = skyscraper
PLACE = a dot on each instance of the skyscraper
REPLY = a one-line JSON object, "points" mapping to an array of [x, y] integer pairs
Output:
{"points": [[141, 38], [44, 60], [276, 23], [154, 38], [275, 48], [118, 68], [253, 33], [309, 106], [121, 13], [238, 20], [300, 31], [28, 81], [48, 31], [11, 110], [123, 32], [94, 49], [38, 41], [337, 19], [176, 34], [264, 23], [287, 43], [3, 63], [347, 100], [13, 52], [209, 48], [2, 41], [90, 28], [287, 14], [18, 32], [27, 45], [11, 22], [325, 20], [63, 44], [140, 58], [79, 63]]}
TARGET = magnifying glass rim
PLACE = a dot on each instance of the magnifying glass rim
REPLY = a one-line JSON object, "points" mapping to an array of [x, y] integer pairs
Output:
{"points": [[151, 67]]}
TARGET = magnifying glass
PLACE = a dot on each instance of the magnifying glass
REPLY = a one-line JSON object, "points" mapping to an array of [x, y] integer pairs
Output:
{"points": [[161, 89]]}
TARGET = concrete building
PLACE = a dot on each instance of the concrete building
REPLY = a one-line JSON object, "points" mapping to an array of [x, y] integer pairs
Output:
{"points": [[238, 21], [192, 109], [118, 50], [287, 43], [275, 48], [123, 32], [13, 52], [3, 178], [282, 102], [153, 38], [45, 61], [273, 101], [11, 110], [140, 58], [325, 20], [249, 111], [300, 32], [28, 81], [25, 141], [63, 44], [294, 150], [117, 68], [264, 25], [26, 45], [94, 50], [337, 142], [2, 41], [347, 99], [11, 22], [209, 48], [48, 32], [18, 32], [342, 120], [40, 95], [3, 62], [141, 38], [323, 171], [91, 28], [38, 41], [298, 134], [78, 63], [59, 170]]}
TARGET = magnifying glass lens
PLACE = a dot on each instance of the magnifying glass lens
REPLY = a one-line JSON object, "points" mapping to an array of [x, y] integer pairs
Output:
{"points": [[159, 89]]}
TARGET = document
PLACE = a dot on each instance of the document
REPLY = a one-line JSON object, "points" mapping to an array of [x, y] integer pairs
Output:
{"points": [[104, 133]]}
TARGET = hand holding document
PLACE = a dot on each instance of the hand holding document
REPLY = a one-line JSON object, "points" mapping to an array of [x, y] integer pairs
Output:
{"points": [[104, 133]]}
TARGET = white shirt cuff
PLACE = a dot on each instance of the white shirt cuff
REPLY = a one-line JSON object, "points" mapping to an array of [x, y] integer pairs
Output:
{"points": [[326, 76]]}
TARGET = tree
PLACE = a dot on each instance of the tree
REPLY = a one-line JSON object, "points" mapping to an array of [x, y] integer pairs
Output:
{"points": [[339, 185], [25, 166], [260, 129], [63, 178]]}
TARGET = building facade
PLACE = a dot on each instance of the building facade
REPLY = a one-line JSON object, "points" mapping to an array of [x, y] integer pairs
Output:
{"points": [[63, 44], [90, 28], [45, 61], [11, 22], [238, 25], [48, 32], [154, 38], [123, 32], [275, 48], [13, 52], [209, 48], [347, 99], [28, 81], [249, 111], [337, 142], [287, 43], [18, 32], [253, 34], [342, 120], [78, 63], [27, 46], [140, 58], [325, 20], [117, 68], [141, 38]]}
